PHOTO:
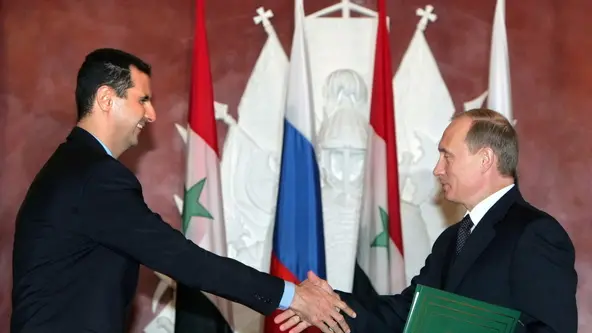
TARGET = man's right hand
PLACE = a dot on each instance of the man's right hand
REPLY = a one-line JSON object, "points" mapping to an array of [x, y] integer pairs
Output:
{"points": [[316, 304]]}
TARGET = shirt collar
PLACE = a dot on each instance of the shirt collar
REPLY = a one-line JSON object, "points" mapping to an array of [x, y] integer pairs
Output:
{"points": [[484, 206], [102, 144]]}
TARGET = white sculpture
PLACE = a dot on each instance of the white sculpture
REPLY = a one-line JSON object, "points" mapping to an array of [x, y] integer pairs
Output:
{"points": [[342, 149], [250, 165], [342, 59]]}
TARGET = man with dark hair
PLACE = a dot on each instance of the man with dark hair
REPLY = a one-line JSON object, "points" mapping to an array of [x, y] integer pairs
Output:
{"points": [[504, 251], [84, 228], [109, 67]]}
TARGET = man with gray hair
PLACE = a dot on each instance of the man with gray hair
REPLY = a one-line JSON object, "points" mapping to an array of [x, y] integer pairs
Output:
{"points": [[504, 251]]}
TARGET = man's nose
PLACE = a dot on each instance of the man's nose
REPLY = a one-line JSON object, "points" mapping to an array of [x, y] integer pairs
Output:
{"points": [[438, 169], [150, 114]]}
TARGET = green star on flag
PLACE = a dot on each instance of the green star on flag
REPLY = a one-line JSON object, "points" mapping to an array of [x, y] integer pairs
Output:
{"points": [[380, 245], [382, 240], [194, 308], [191, 205]]}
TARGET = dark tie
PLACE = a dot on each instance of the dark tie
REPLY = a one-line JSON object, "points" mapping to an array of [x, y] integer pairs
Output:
{"points": [[463, 233]]}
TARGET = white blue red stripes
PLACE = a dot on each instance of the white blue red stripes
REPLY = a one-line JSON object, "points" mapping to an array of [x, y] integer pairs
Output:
{"points": [[299, 106], [298, 238], [298, 243]]}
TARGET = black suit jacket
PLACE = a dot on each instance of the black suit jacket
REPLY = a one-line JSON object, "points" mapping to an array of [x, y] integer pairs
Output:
{"points": [[81, 233], [517, 256]]}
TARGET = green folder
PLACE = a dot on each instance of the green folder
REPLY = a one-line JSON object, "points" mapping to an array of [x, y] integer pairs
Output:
{"points": [[437, 311]]}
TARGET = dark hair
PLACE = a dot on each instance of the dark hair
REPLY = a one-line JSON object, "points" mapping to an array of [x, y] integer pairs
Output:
{"points": [[110, 67]]}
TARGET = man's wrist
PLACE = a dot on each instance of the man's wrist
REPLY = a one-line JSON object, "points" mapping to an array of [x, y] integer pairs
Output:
{"points": [[287, 296]]}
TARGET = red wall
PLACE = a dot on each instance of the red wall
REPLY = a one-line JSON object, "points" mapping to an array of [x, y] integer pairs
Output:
{"points": [[42, 47]]}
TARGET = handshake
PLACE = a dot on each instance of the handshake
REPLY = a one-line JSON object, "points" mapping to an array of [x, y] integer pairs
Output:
{"points": [[315, 304]]}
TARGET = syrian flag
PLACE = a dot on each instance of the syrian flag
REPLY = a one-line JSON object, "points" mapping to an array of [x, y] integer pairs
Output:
{"points": [[379, 263], [203, 218]]}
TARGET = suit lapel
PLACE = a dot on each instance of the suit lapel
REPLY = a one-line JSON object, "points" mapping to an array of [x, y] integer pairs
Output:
{"points": [[475, 245], [448, 259], [479, 240]]}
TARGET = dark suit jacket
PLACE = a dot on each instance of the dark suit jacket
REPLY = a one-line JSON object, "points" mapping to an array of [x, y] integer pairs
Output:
{"points": [[81, 233], [517, 256]]}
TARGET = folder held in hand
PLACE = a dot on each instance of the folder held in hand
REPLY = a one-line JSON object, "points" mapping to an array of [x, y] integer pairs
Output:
{"points": [[437, 311]]}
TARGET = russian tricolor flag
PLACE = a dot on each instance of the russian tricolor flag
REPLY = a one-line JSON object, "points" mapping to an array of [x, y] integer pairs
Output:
{"points": [[298, 244]]}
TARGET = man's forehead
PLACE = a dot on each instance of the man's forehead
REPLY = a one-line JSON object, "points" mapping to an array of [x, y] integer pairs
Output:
{"points": [[448, 136], [141, 80], [138, 75], [442, 145], [457, 129], [445, 137]]}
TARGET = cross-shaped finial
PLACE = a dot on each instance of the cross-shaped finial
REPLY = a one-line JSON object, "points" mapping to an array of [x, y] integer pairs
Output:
{"points": [[221, 113], [263, 16], [426, 15]]}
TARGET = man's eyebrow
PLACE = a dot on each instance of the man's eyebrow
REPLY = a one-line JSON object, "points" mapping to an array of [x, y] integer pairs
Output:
{"points": [[443, 150]]}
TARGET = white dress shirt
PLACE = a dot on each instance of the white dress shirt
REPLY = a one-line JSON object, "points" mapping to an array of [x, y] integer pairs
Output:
{"points": [[481, 209]]}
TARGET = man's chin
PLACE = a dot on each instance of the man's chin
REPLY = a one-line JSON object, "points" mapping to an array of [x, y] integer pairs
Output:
{"points": [[134, 140], [447, 194], [132, 143]]}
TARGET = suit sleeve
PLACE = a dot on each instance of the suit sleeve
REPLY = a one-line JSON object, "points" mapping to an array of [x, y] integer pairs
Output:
{"points": [[544, 279], [379, 314], [388, 313], [113, 213]]}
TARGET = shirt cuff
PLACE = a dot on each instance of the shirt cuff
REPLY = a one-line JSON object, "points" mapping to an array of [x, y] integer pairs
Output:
{"points": [[288, 296]]}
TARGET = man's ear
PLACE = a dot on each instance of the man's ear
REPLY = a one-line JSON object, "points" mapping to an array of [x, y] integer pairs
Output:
{"points": [[104, 98], [487, 159]]}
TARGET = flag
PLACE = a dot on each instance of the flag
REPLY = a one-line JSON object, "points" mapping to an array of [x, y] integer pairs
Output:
{"points": [[500, 94], [379, 262], [500, 89], [203, 217], [298, 244]]}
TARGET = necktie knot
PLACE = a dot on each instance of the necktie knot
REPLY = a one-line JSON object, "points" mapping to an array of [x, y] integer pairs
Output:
{"points": [[466, 223]]}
